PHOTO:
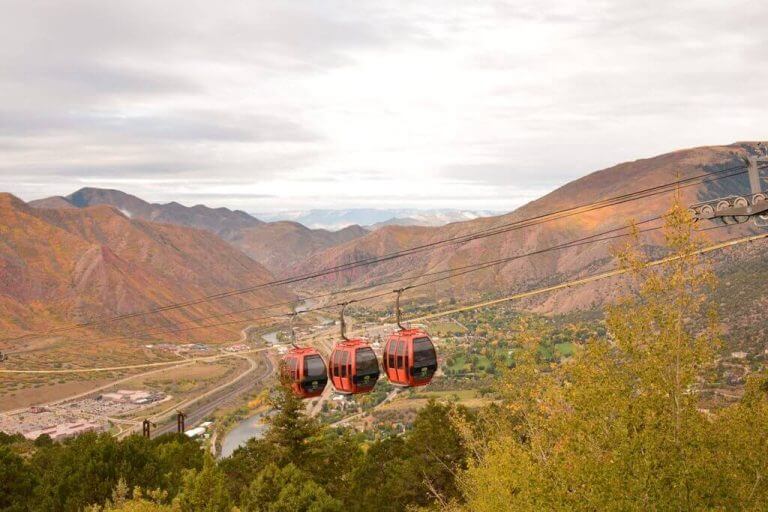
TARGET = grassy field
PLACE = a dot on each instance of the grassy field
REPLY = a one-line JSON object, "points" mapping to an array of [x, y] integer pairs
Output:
{"points": [[406, 406], [458, 395], [565, 349], [461, 362], [446, 328], [559, 350]]}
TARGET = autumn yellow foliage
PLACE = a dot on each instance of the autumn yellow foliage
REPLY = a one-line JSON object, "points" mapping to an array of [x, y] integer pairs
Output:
{"points": [[619, 425]]}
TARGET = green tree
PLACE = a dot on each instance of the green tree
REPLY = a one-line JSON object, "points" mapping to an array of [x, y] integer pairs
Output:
{"points": [[437, 451], [204, 490], [174, 453], [43, 440], [9, 439], [84, 470], [292, 433], [414, 470], [740, 449], [77, 473], [287, 489], [382, 480], [293, 438], [16, 482], [137, 501]]}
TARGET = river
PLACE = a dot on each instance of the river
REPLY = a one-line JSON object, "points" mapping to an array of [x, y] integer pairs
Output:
{"points": [[247, 429]]}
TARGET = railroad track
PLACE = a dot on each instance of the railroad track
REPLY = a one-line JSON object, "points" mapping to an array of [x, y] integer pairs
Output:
{"points": [[228, 393]]}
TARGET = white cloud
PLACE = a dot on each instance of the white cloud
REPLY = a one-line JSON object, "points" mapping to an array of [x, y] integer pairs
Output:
{"points": [[356, 103]]}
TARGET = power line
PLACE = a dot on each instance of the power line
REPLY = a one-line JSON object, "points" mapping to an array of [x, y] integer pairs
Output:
{"points": [[585, 280], [466, 269], [496, 230]]}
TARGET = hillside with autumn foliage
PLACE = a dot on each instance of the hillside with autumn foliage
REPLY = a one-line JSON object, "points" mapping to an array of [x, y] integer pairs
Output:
{"points": [[71, 265], [555, 266]]}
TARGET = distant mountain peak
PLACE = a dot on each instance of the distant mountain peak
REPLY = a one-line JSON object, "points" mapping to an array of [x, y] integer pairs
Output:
{"points": [[90, 196], [279, 245], [374, 218], [217, 220]]}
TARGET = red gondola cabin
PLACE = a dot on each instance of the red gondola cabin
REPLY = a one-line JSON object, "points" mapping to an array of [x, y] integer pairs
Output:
{"points": [[306, 370], [353, 367], [410, 358]]}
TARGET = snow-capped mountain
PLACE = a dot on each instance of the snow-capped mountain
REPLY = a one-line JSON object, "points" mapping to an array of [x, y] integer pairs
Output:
{"points": [[373, 217]]}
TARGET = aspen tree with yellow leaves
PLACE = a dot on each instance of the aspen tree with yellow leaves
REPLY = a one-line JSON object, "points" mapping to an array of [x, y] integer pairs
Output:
{"points": [[618, 426]]}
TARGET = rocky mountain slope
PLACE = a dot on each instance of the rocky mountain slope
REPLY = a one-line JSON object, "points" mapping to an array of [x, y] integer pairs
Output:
{"points": [[277, 245], [66, 265], [310, 250], [551, 267]]}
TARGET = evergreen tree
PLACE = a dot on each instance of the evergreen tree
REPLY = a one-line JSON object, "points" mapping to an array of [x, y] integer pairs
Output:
{"points": [[16, 482], [287, 489], [204, 490]]}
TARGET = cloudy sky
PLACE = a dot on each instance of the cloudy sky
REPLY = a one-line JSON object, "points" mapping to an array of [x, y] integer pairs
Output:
{"points": [[286, 104]]}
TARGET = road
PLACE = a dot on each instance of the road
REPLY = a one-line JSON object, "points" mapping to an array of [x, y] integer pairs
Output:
{"points": [[218, 396]]}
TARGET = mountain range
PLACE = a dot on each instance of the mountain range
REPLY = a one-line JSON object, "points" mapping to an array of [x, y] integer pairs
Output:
{"points": [[103, 251], [373, 218], [277, 245], [552, 267]]}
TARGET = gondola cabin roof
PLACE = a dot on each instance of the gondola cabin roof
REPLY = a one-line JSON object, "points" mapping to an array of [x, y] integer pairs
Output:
{"points": [[301, 351], [352, 343], [408, 333]]}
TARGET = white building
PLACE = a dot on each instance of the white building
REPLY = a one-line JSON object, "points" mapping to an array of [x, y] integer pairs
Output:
{"points": [[194, 432]]}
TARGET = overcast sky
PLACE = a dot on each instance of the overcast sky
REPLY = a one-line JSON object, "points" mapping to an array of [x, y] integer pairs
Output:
{"points": [[289, 104]]}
